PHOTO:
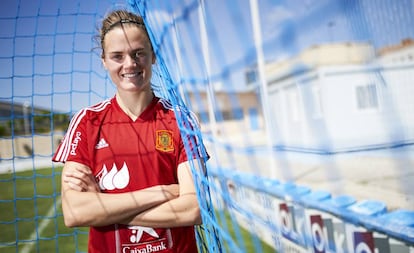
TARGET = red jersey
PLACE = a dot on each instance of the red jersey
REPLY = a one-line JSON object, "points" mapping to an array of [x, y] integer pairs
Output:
{"points": [[124, 156]]}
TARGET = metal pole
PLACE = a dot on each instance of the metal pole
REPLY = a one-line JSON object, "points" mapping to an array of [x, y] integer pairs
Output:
{"points": [[257, 33], [26, 105]]}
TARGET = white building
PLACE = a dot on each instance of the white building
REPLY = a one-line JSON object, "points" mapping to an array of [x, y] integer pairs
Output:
{"points": [[338, 97]]}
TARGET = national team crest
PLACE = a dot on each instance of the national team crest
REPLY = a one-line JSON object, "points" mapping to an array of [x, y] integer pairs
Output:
{"points": [[164, 141]]}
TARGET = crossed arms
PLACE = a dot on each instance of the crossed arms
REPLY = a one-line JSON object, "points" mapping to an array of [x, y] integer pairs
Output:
{"points": [[163, 206]]}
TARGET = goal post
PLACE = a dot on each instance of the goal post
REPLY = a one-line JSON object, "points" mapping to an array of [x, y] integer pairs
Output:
{"points": [[305, 109]]}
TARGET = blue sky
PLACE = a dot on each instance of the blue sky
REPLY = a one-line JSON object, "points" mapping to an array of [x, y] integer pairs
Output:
{"points": [[53, 58], [49, 60], [288, 27]]}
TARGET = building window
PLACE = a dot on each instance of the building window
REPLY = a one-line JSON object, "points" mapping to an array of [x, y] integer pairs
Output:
{"points": [[254, 118], [235, 114], [293, 104], [251, 76], [317, 102], [367, 97]]}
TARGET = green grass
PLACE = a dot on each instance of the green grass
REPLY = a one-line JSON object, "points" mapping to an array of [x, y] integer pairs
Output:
{"points": [[31, 199], [28, 201], [248, 241]]}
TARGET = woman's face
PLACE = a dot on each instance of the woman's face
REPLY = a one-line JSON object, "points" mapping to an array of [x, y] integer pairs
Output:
{"points": [[128, 58]]}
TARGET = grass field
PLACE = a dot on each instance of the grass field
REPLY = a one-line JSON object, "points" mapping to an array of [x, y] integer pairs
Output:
{"points": [[248, 242], [31, 216]]}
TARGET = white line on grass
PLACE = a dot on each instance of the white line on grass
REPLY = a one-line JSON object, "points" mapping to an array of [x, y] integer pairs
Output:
{"points": [[28, 246]]}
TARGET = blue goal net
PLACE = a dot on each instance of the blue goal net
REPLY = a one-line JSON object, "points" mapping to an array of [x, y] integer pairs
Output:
{"points": [[305, 108]]}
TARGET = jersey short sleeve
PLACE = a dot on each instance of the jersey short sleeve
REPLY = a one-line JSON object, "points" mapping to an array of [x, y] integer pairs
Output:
{"points": [[191, 144], [75, 146]]}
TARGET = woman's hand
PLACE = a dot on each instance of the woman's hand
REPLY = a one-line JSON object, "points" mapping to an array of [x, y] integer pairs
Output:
{"points": [[80, 178], [171, 191]]}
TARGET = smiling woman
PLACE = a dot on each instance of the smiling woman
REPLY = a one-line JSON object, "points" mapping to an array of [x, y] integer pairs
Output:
{"points": [[128, 58], [148, 188]]}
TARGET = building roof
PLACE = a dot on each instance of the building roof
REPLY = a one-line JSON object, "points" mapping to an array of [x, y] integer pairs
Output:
{"points": [[7, 109], [341, 53], [405, 43]]}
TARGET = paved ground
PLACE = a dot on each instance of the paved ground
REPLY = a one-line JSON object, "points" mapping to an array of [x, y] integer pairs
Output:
{"points": [[16, 165], [384, 175]]}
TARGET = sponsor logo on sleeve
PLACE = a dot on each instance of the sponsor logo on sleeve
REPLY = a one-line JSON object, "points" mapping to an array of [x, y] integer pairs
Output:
{"points": [[75, 143]]}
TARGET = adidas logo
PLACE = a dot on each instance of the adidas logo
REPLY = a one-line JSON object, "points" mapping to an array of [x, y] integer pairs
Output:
{"points": [[101, 144]]}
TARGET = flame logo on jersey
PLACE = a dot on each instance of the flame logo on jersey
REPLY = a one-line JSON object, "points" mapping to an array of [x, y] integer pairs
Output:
{"points": [[164, 141], [114, 179]]}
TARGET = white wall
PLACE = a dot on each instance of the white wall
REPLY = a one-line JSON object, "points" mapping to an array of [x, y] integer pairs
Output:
{"points": [[339, 124]]}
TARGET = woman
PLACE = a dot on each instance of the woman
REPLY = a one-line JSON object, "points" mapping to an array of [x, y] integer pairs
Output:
{"points": [[126, 173]]}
